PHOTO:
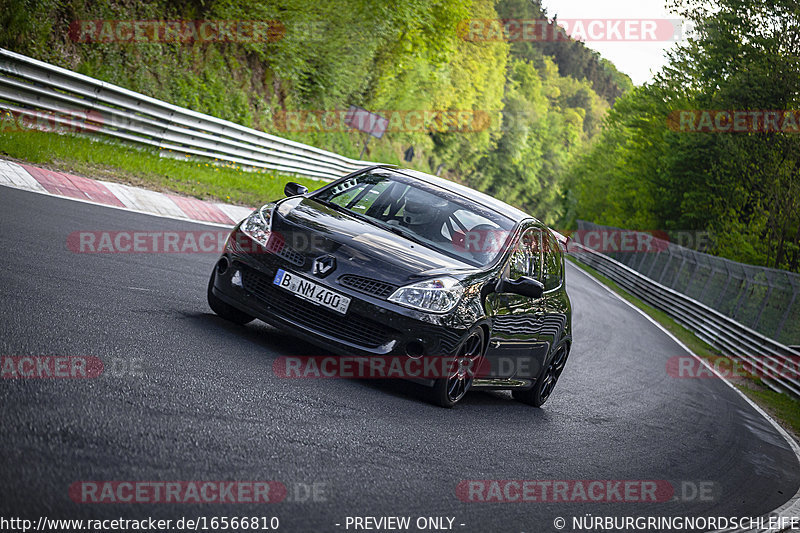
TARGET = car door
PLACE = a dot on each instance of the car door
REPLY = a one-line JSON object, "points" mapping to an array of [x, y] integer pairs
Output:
{"points": [[515, 349]]}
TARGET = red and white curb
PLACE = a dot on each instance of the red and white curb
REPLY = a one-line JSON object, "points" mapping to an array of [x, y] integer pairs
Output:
{"points": [[27, 177]]}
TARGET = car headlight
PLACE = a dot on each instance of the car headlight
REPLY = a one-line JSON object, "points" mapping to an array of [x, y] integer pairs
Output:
{"points": [[437, 295], [258, 225]]}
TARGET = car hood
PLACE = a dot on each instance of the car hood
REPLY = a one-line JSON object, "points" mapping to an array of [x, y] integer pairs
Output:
{"points": [[313, 229]]}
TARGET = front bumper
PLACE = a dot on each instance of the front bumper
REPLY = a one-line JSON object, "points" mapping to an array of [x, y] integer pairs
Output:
{"points": [[371, 326]]}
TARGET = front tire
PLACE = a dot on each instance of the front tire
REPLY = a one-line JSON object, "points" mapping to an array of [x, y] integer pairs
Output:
{"points": [[546, 381], [450, 390], [226, 311]]}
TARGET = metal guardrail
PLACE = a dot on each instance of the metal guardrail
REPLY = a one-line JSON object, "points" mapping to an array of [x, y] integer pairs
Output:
{"points": [[764, 299], [32, 88], [721, 332]]}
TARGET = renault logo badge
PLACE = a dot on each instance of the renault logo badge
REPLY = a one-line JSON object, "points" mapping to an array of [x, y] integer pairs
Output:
{"points": [[323, 265]]}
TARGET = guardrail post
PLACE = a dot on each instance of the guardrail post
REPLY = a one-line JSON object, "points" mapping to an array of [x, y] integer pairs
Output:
{"points": [[743, 292], [725, 288], [761, 308], [788, 309]]}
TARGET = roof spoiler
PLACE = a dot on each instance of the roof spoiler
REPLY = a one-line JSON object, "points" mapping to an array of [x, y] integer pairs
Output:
{"points": [[562, 239], [367, 169]]}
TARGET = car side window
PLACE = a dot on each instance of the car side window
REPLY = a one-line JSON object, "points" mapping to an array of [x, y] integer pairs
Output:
{"points": [[552, 263], [344, 195], [361, 197], [527, 258]]}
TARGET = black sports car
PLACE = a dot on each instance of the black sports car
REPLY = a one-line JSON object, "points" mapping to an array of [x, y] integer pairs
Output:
{"points": [[387, 262]]}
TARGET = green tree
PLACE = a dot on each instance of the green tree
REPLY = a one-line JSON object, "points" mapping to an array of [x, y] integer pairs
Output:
{"points": [[743, 186]]}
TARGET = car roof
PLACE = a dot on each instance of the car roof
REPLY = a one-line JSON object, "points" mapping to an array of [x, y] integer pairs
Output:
{"points": [[484, 199]]}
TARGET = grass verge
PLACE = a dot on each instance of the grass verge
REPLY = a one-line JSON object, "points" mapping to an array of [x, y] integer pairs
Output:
{"points": [[785, 409], [121, 163]]}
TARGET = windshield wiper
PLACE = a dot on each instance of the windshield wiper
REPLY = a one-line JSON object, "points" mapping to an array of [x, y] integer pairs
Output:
{"points": [[403, 232]]}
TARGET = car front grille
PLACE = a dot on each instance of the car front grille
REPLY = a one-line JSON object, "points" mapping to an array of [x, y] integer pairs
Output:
{"points": [[373, 287], [350, 327], [277, 246]]}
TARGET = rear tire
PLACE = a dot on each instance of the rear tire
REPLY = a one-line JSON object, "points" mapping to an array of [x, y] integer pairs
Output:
{"points": [[546, 381], [226, 311], [450, 390]]}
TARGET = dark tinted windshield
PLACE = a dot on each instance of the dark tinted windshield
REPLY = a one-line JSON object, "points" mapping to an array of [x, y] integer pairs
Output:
{"points": [[433, 217]]}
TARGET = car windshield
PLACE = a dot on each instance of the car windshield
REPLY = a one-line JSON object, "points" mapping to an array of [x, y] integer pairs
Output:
{"points": [[431, 216]]}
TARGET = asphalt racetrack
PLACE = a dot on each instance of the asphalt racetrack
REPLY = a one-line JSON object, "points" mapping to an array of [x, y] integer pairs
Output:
{"points": [[187, 396]]}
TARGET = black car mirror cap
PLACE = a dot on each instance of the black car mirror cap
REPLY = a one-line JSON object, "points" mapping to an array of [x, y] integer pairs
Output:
{"points": [[294, 189], [524, 286]]}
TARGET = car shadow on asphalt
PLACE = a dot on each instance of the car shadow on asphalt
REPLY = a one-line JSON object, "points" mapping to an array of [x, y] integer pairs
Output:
{"points": [[408, 389], [262, 334], [279, 343]]}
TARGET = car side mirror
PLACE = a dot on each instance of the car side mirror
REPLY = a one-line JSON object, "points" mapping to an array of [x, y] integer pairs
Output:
{"points": [[294, 189], [524, 286]]}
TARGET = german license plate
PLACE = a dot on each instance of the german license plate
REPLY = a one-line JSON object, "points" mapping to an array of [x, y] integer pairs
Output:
{"points": [[313, 292]]}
